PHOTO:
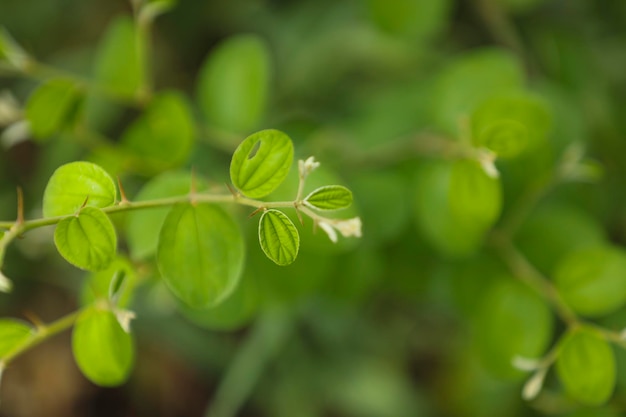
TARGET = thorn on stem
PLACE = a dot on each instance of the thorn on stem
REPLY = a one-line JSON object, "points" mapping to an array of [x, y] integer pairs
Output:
{"points": [[34, 318], [124, 200], [20, 206], [295, 205], [255, 212], [84, 204], [232, 190]]}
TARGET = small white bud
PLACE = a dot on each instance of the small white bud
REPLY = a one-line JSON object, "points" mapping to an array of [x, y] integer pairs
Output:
{"points": [[350, 227], [307, 166], [5, 283], [332, 235], [124, 318], [533, 386], [487, 160], [526, 364]]}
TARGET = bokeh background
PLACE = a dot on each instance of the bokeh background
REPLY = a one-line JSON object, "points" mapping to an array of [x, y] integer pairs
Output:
{"points": [[383, 326]]}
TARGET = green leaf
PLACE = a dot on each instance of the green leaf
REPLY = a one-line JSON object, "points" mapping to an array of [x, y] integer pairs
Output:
{"points": [[278, 237], [200, 254], [73, 184], [410, 17], [118, 65], [103, 351], [261, 162], [593, 280], [472, 79], [13, 333], [163, 135], [144, 226], [512, 321], [330, 197], [586, 367], [455, 205], [511, 124], [50, 106], [233, 83], [88, 240]]}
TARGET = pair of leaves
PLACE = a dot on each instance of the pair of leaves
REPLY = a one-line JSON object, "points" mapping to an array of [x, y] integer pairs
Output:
{"points": [[87, 239]]}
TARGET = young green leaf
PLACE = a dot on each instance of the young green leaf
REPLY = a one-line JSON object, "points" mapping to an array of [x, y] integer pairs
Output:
{"points": [[103, 351], [593, 280], [12, 334], [50, 106], [474, 194], [163, 135], [409, 17], [330, 197], [233, 83], [74, 184], [200, 254], [87, 240], [261, 162], [586, 367], [278, 237], [118, 64]]}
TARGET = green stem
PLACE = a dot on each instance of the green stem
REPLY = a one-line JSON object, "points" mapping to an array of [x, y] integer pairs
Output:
{"points": [[528, 274]]}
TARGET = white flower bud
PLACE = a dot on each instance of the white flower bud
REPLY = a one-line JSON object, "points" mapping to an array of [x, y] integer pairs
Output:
{"points": [[487, 160], [533, 386], [526, 364], [350, 227], [124, 318], [5, 283], [332, 235], [307, 166]]}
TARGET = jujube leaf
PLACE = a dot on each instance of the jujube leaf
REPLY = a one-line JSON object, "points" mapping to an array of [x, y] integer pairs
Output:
{"points": [[261, 162], [87, 240], [278, 237], [76, 184]]}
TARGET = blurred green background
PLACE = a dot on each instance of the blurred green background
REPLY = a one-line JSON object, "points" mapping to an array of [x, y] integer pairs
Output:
{"points": [[402, 322]]}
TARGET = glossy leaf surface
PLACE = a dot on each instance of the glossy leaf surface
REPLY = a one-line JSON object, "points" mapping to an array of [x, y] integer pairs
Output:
{"points": [[261, 162], [75, 184]]}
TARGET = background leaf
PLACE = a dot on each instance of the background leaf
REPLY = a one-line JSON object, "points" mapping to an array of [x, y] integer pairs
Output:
{"points": [[233, 83], [50, 106], [118, 66], [200, 254], [162, 137], [586, 367], [593, 280], [87, 240], [278, 237], [261, 162], [104, 352]]}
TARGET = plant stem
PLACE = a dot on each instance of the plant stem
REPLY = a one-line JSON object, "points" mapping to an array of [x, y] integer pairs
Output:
{"points": [[41, 333]]}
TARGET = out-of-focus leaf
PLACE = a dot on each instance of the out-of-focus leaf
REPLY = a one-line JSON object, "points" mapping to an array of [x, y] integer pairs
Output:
{"points": [[50, 106], [417, 18], [586, 367], [234, 82], [12, 334]]}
